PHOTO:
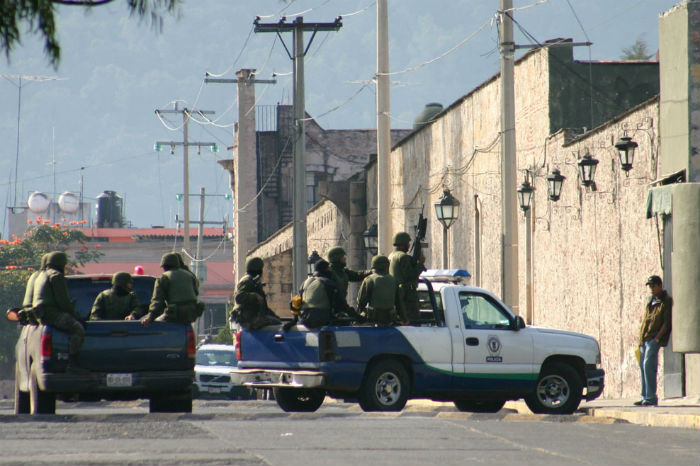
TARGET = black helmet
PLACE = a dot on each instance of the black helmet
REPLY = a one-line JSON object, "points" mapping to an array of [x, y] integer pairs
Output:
{"points": [[254, 265], [401, 238], [121, 279], [380, 264], [335, 254], [170, 260]]}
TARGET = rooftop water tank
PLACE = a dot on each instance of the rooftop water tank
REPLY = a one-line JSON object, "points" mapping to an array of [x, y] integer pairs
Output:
{"points": [[426, 115], [109, 210], [69, 202], [38, 202]]}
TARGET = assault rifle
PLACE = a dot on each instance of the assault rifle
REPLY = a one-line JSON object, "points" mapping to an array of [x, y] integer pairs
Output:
{"points": [[421, 227]]}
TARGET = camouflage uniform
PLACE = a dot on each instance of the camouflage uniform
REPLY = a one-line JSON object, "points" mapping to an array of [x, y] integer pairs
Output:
{"points": [[250, 308], [342, 275], [406, 270], [377, 294], [117, 302], [321, 300], [51, 303], [26, 313], [175, 293]]}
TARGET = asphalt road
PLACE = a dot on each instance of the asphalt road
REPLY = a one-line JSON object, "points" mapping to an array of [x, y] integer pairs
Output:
{"points": [[259, 433]]}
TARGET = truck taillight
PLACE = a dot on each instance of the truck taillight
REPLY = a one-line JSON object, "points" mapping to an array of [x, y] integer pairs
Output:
{"points": [[191, 345], [46, 346], [237, 345]]}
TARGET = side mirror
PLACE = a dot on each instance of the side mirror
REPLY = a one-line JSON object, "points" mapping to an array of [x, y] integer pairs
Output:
{"points": [[519, 323], [12, 314]]}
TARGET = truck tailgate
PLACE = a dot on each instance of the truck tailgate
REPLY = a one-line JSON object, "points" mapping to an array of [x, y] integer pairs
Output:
{"points": [[125, 346], [280, 350]]}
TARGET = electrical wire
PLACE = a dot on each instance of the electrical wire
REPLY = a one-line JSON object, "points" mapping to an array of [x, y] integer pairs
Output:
{"points": [[364, 86], [228, 70]]}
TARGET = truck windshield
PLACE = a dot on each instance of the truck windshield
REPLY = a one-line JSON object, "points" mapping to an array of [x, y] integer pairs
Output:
{"points": [[85, 290], [216, 358]]}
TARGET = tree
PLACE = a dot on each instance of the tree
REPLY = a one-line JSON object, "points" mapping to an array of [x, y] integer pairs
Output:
{"points": [[637, 51], [20, 257], [39, 18]]}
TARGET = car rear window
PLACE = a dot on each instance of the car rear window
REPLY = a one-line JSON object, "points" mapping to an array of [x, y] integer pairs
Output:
{"points": [[84, 290]]}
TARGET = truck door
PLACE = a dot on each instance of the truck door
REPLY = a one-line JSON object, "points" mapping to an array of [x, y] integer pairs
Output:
{"points": [[497, 356]]}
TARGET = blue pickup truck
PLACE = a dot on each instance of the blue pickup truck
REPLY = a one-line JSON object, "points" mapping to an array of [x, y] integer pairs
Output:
{"points": [[468, 348], [124, 359]]}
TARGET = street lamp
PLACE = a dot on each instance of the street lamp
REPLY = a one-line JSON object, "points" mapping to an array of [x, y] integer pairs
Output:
{"points": [[525, 195], [555, 180], [626, 147], [446, 211], [370, 238], [310, 265], [587, 166]]}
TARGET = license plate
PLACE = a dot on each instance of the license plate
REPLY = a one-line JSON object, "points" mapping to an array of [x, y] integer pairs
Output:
{"points": [[119, 380], [214, 390]]}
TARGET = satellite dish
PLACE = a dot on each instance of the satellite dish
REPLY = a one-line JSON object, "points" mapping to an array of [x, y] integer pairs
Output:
{"points": [[38, 202], [69, 202]]}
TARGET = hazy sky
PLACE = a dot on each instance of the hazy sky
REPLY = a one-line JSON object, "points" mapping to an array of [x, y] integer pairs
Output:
{"points": [[115, 71]]}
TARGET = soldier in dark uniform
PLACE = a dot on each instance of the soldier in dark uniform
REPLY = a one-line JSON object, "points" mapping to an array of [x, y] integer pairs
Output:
{"points": [[250, 308], [406, 269], [175, 294], [377, 295], [321, 300], [341, 275], [52, 305], [118, 302]]}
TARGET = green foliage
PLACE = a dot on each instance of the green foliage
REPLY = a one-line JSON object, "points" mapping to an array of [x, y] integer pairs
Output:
{"points": [[39, 17], [637, 51], [20, 257]]}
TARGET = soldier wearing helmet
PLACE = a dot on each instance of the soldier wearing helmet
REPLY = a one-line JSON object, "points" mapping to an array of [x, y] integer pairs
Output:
{"points": [[52, 305], [175, 294], [118, 302], [405, 269], [342, 275], [377, 295], [250, 308]]}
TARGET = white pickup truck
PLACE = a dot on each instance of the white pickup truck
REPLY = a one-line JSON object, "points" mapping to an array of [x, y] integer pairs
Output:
{"points": [[468, 348]]}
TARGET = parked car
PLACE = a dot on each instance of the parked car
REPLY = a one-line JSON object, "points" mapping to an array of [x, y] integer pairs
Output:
{"points": [[213, 373]]}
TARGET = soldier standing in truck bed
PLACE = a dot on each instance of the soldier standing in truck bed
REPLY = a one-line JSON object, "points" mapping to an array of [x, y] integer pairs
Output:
{"points": [[406, 269], [377, 295], [342, 275]]}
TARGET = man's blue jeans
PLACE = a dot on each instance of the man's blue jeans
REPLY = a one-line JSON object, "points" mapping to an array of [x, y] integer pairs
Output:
{"points": [[649, 366]]}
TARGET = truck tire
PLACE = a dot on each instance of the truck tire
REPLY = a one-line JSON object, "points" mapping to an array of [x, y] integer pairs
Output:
{"points": [[40, 402], [385, 387], [299, 399], [558, 390], [171, 403], [21, 398], [479, 406]]}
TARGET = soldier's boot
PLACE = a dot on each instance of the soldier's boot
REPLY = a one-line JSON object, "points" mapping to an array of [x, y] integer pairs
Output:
{"points": [[73, 365]]}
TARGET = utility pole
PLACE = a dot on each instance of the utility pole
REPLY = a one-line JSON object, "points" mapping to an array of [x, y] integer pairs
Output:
{"points": [[200, 234], [299, 255], [185, 168], [509, 237], [384, 221], [245, 163]]}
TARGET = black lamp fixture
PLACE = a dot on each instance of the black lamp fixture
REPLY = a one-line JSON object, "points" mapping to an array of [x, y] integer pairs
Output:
{"points": [[447, 209], [525, 195], [587, 166], [626, 147], [313, 258], [555, 180], [369, 237]]}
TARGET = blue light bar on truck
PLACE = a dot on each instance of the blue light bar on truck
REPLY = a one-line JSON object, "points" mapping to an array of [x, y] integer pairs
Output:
{"points": [[452, 275]]}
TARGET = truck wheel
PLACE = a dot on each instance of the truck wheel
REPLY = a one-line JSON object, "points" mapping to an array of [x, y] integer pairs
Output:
{"points": [[40, 402], [21, 398], [385, 387], [558, 390], [480, 406], [171, 403], [299, 399]]}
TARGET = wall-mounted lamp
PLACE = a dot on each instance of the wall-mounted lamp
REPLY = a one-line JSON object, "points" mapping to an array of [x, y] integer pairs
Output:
{"points": [[555, 180], [587, 166], [369, 237], [446, 211], [525, 195], [626, 147]]}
